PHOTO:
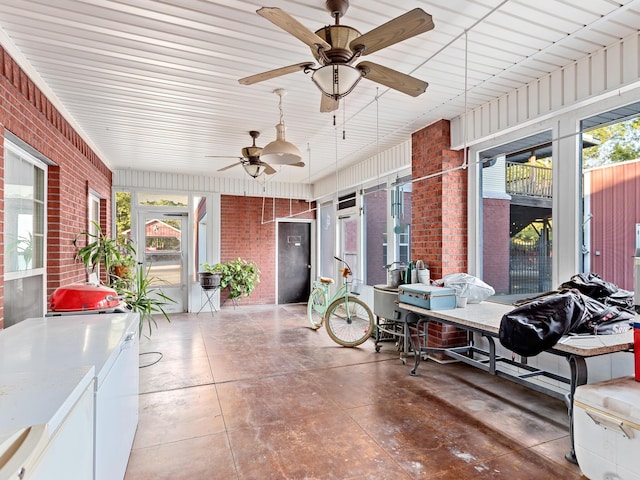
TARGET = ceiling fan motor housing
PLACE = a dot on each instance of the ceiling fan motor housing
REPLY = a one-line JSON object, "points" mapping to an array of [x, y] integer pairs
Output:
{"points": [[250, 152], [337, 8], [339, 37]]}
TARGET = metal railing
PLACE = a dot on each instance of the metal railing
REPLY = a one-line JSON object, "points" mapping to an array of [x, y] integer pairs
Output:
{"points": [[528, 180]]}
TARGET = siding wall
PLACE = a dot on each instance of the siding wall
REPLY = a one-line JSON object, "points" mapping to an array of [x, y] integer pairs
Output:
{"points": [[614, 203], [388, 162], [605, 72], [135, 179]]}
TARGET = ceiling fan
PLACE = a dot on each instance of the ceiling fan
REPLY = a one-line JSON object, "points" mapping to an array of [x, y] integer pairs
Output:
{"points": [[250, 160], [336, 48]]}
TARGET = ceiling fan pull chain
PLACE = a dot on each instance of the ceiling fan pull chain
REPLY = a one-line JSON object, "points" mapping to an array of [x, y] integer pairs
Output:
{"points": [[344, 119]]}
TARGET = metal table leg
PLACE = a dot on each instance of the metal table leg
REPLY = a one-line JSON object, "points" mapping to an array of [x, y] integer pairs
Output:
{"points": [[417, 349], [578, 377]]}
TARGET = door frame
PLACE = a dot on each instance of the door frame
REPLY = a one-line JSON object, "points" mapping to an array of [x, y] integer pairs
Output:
{"points": [[312, 249], [182, 304]]}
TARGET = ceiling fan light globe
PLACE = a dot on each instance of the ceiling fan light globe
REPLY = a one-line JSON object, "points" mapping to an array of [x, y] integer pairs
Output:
{"points": [[336, 81], [253, 169], [280, 152]]}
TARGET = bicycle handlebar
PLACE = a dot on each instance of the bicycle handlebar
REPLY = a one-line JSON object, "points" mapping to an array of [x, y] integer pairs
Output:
{"points": [[347, 271]]}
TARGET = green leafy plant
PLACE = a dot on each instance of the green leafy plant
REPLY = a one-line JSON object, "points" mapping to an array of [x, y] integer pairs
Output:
{"points": [[143, 298], [240, 276], [102, 250], [131, 281]]}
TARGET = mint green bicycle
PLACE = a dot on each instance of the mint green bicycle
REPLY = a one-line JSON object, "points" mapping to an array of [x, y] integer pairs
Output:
{"points": [[348, 320]]}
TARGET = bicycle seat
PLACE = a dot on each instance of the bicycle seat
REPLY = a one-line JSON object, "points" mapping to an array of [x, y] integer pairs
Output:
{"points": [[326, 280]]}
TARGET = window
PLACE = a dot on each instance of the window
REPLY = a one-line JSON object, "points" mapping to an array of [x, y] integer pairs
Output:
{"points": [[327, 239], [375, 235], [94, 212], [517, 217], [401, 214], [24, 222], [610, 193]]}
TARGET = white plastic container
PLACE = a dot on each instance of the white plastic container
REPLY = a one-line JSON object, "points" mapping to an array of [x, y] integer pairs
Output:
{"points": [[606, 423]]}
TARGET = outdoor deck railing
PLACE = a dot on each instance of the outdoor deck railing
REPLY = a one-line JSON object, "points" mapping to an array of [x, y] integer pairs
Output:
{"points": [[528, 180]]}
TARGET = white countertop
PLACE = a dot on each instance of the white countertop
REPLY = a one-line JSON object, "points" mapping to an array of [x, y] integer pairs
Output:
{"points": [[65, 341], [486, 316]]}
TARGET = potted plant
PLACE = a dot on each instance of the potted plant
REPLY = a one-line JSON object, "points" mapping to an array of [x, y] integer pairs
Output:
{"points": [[133, 285], [102, 250], [209, 279], [239, 276], [144, 299], [124, 266]]}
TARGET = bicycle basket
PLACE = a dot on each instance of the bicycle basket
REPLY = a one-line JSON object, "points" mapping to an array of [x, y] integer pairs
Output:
{"points": [[356, 286]]}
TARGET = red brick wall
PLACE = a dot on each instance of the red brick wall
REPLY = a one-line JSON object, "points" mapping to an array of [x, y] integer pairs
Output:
{"points": [[29, 115], [439, 214], [245, 234], [495, 255], [439, 203]]}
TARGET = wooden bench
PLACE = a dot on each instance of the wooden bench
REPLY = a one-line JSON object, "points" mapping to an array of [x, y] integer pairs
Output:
{"points": [[484, 319]]}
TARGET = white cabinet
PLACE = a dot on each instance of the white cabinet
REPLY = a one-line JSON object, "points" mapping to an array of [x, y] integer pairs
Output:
{"points": [[46, 426], [69, 453], [106, 343]]}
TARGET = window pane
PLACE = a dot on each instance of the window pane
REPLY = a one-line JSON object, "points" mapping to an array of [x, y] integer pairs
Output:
{"points": [[327, 240], [163, 200], [23, 299], [517, 222], [401, 212], [611, 187], [163, 251], [24, 214], [123, 216], [375, 237]]}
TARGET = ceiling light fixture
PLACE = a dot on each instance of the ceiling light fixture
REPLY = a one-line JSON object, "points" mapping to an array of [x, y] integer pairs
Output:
{"points": [[336, 81], [281, 152], [254, 169]]}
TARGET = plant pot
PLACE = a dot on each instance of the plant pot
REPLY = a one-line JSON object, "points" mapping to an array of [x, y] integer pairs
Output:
{"points": [[209, 281], [121, 271]]}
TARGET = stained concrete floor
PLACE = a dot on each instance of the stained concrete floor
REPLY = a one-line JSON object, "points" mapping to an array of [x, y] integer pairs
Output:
{"points": [[253, 393]]}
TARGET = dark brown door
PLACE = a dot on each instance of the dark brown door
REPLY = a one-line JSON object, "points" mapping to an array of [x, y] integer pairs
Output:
{"points": [[294, 267]]}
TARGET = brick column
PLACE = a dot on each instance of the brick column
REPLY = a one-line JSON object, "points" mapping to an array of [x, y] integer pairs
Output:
{"points": [[439, 214]]}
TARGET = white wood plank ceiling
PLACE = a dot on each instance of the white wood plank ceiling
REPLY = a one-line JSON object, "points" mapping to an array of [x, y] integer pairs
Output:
{"points": [[154, 84]]}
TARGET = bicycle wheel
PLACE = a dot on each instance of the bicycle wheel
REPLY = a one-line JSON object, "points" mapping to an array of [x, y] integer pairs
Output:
{"points": [[316, 307], [350, 326]]}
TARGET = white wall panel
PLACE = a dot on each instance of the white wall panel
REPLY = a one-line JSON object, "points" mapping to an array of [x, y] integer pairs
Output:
{"points": [[544, 95], [605, 71], [630, 61], [614, 66], [134, 179], [389, 161], [583, 80], [598, 73], [569, 86]]}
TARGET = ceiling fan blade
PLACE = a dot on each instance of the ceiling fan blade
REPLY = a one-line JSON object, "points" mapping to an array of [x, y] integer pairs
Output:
{"points": [[286, 22], [261, 77], [328, 104], [268, 169], [297, 164], [405, 26], [393, 79], [229, 166], [223, 156]]}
